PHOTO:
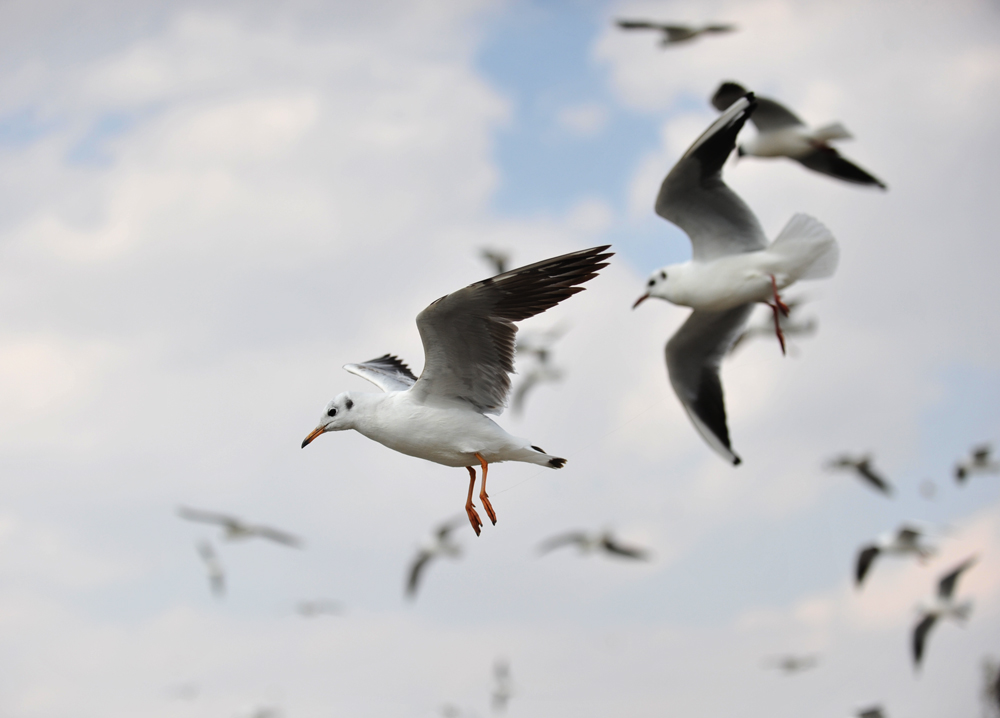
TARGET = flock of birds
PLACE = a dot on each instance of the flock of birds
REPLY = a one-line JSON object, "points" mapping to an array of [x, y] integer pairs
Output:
{"points": [[470, 342]]}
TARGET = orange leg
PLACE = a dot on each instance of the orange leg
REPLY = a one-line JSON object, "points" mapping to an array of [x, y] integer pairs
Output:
{"points": [[482, 493], [470, 509]]}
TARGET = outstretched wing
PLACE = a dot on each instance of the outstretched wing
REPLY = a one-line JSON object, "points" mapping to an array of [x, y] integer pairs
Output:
{"points": [[207, 517], [827, 160], [388, 373], [468, 335], [277, 536], [694, 197], [413, 582], [613, 547], [946, 586], [566, 539], [865, 558], [872, 477], [639, 25], [920, 636], [693, 357]]}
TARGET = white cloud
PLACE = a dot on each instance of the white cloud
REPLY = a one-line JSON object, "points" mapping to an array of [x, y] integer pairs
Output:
{"points": [[583, 120]]}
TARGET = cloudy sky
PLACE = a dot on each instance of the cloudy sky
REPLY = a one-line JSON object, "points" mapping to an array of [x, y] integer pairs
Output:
{"points": [[209, 207]]}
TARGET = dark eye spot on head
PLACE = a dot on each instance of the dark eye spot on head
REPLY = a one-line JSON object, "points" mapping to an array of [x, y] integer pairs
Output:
{"points": [[349, 404], [651, 282], [332, 412], [663, 274]]}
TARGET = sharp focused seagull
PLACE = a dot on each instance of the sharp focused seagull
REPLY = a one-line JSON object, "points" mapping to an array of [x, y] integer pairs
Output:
{"points": [[216, 576], [672, 33], [905, 540], [732, 268], [942, 605], [468, 339], [237, 529], [979, 462], [591, 542], [781, 134], [442, 545], [862, 466]]}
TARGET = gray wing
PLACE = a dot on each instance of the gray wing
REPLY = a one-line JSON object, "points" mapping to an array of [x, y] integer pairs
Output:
{"points": [[720, 28], [768, 116], [640, 25], [613, 547], [413, 582], [920, 636], [468, 335], [865, 558], [566, 539], [907, 535], [208, 517], [826, 160], [388, 373], [694, 197], [866, 472], [873, 712], [981, 454], [277, 536], [693, 357], [946, 587]]}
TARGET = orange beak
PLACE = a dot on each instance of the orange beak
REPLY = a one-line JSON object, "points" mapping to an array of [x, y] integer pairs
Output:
{"points": [[640, 300], [312, 435]]}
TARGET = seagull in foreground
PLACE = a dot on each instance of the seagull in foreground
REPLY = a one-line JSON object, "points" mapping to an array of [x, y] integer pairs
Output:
{"points": [[468, 339], [591, 542], [672, 33], [790, 664], [732, 268], [790, 327], [863, 468], [979, 462], [441, 546], [216, 576], [319, 607], [905, 540], [942, 605], [237, 529], [496, 257], [502, 691], [781, 134]]}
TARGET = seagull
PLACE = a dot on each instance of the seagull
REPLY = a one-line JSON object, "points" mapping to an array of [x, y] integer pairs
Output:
{"points": [[502, 691], [237, 529], [862, 466], [979, 462], [319, 607], [468, 339], [496, 257], [905, 540], [990, 692], [442, 546], [537, 346], [216, 576], [732, 268], [781, 134], [673, 34], [590, 542], [940, 606], [789, 327], [872, 712], [790, 664]]}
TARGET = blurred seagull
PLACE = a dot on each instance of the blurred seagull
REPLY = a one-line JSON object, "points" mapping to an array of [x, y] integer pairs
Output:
{"points": [[502, 690], [319, 607], [537, 347], [237, 529], [216, 576], [790, 664], [942, 605], [468, 339], [442, 545], [591, 542], [732, 268], [979, 462], [862, 467], [789, 326], [781, 134], [497, 258], [905, 540], [872, 712], [673, 34], [990, 692]]}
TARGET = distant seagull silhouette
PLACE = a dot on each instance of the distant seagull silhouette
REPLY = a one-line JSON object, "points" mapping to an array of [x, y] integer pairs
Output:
{"points": [[905, 540], [502, 689], [942, 605], [978, 462], [872, 712], [216, 576], [442, 545], [536, 350], [674, 33], [781, 134], [591, 542], [790, 326], [236, 529], [496, 258], [863, 468], [790, 664], [319, 607]]}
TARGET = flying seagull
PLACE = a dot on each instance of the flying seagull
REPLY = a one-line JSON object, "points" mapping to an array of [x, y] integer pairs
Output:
{"points": [[862, 466], [790, 664], [591, 542], [537, 348], [468, 339], [905, 540], [673, 33], [781, 134], [236, 529], [319, 607], [732, 268], [870, 712], [497, 258], [216, 576], [790, 326], [979, 462], [502, 690], [942, 605], [442, 545]]}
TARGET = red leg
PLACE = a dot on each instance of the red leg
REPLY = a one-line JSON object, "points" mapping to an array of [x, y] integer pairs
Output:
{"points": [[482, 493], [777, 297], [777, 327], [470, 509]]}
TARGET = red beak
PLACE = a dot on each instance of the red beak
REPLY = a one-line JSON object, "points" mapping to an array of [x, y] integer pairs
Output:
{"points": [[640, 300]]}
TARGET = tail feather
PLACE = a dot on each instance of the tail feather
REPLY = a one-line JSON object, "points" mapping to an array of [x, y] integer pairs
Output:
{"points": [[810, 246], [833, 131]]}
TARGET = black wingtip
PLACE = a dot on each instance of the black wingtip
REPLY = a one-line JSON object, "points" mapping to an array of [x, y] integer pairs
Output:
{"points": [[737, 460], [557, 463]]}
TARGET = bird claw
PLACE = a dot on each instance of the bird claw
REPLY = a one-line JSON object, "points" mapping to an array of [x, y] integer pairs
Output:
{"points": [[477, 523]]}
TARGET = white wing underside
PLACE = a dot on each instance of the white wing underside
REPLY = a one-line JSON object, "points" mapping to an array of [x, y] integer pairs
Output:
{"points": [[387, 373]]}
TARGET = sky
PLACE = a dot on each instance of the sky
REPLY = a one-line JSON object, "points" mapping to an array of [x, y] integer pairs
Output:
{"points": [[207, 208]]}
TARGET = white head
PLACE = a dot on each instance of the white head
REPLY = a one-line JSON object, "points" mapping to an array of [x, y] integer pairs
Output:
{"points": [[660, 285], [338, 416]]}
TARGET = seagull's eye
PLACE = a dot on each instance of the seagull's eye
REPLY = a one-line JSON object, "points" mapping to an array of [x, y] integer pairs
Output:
{"points": [[663, 275], [332, 412], [651, 282]]}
